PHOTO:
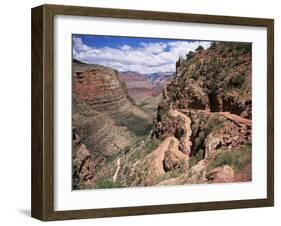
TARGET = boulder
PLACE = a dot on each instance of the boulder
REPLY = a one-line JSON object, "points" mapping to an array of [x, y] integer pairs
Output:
{"points": [[171, 161]]}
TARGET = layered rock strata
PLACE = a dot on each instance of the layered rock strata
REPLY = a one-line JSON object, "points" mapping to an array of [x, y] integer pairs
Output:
{"points": [[100, 88]]}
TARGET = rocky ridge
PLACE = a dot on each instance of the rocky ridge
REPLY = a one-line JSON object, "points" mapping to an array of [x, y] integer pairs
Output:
{"points": [[216, 79]]}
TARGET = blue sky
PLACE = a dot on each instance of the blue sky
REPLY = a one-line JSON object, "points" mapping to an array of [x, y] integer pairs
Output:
{"points": [[115, 41], [144, 55]]}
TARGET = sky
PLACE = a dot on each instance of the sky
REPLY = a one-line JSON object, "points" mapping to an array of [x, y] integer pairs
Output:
{"points": [[143, 55]]}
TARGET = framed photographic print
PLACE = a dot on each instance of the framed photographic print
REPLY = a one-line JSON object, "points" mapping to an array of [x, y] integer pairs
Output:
{"points": [[141, 112]]}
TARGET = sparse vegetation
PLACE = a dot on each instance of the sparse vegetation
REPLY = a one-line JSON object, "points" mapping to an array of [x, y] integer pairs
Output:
{"points": [[202, 128], [75, 181], [199, 48], [214, 45], [111, 158], [177, 172], [193, 160], [143, 103], [141, 148], [190, 55], [214, 123], [107, 184], [195, 75], [151, 145], [244, 47], [199, 141], [238, 81], [168, 175], [237, 159], [138, 125]]}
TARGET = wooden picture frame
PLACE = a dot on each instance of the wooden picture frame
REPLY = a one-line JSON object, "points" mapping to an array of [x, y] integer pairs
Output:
{"points": [[42, 203]]}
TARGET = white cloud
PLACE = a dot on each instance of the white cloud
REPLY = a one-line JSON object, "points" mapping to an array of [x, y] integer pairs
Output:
{"points": [[148, 58], [125, 47]]}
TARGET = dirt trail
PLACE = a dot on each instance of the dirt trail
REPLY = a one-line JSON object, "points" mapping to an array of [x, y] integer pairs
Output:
{"points": [[236, 118], [117, 170], [159, 154], [172, 144], [232, 117]]}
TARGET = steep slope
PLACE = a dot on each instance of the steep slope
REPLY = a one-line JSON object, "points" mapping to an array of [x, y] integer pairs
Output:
{"points": [[217, 79], [139, 86], [100, 88], [135, 80], [101, 135], [161, 78]]}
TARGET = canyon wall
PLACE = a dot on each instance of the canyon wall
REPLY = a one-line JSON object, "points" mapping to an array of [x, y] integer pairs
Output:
{"points": [[100, 88]]}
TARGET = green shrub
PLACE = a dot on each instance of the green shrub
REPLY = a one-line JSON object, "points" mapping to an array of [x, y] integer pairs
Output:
{"points": [[237, 159], [193, 160], [199, 140], [75, 183], [199, 48], [143, 103], [222, 159], [221, 76], [190, 55], [107, 184], [238, 80], [244, 47], [212, 123], [195, 76], [214, 45], [168, 175], [151, 145]]}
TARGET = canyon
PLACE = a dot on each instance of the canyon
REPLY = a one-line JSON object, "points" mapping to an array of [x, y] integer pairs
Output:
{"points": [[189, 127], [146, 89]]}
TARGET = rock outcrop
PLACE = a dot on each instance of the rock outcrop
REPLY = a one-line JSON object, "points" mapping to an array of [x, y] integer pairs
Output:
{"points": [[83, 167], [221, 174], [216, 79], [212, 90], [100, 88]]}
